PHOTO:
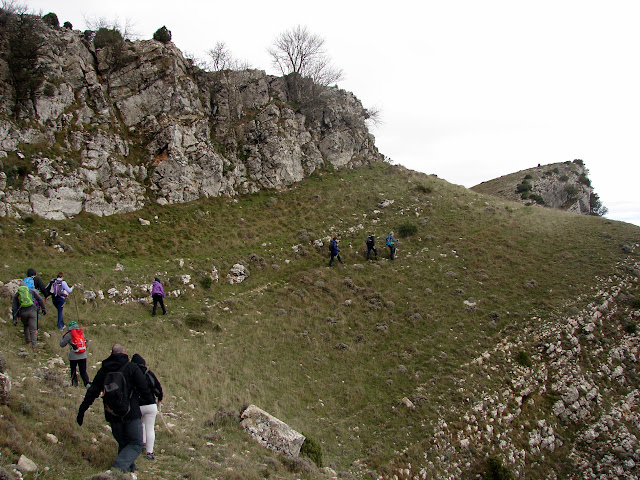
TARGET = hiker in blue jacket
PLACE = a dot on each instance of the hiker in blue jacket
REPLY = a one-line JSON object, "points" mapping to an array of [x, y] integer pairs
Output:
{"points": [[334, 250], [391, 243]]}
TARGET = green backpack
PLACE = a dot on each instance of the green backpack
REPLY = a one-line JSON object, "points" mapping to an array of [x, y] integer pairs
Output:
{"points": [[24, 295]]}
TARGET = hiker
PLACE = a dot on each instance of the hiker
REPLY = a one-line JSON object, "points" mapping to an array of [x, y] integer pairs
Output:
{"points": [[74, 337], [119, 378], [157, 293], [371, 245], [391, 243], [34, 282], [334, 250], [149, 410], [59, 292], [25, 305]]}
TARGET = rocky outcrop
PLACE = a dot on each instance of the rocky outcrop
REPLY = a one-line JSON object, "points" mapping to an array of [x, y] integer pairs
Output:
{"points": [[271, 432], [565, 186], [110, 130]]}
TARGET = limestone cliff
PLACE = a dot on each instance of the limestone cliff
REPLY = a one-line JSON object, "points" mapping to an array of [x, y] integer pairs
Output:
{"points": [[110, 128], [564, 186]]}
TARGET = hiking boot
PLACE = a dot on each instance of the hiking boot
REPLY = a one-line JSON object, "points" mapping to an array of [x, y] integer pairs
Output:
{"points": [[151, 456]]}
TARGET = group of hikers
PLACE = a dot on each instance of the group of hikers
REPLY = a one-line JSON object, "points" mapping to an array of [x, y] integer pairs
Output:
{"points": [[130, 391], [390, 241]]}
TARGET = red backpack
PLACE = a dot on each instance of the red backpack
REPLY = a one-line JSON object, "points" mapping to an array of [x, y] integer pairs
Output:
{"points": [[78, 342]]}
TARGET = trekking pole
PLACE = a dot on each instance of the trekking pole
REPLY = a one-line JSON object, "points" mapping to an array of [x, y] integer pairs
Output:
{"points": [[162, 418], [77, 312]]}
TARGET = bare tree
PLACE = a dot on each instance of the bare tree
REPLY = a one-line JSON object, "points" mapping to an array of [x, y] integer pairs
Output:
{"points": [[220, 56], [302, 52], [126, 29], [222, 59], [14, 7]]}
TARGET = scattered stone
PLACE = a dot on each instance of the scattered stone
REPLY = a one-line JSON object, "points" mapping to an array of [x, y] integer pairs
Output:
{"points": [[52, 438], [26, 465], [144, 222]]}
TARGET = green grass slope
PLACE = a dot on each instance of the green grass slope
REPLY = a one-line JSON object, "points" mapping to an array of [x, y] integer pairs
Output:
{"points": [[330, 351]]}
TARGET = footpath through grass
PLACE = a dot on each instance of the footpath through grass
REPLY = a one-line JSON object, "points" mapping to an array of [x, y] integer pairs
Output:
{"points": [[331, 351]]}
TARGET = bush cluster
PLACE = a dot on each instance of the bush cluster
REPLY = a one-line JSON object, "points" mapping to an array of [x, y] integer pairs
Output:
{"points": [[163, 34], [407, 229], [107, 37], [312, 450], [51, 19], [524, 187]]}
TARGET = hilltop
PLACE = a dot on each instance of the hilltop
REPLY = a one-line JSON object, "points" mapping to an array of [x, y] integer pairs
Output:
{"points": [[563, 185], [502, 337]]}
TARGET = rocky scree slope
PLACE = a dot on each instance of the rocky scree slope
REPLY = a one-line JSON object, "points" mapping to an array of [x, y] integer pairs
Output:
{"points": [[565, 186], [111, 129], [570, 411]]}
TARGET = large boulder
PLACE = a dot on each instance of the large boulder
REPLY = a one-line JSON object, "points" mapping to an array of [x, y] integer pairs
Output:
{"points": [[271, 432]]}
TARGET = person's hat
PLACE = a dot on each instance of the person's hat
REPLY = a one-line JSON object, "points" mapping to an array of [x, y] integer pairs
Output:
{"points": [[31, 272], [73, 323], [157, 279], [137, 358]]}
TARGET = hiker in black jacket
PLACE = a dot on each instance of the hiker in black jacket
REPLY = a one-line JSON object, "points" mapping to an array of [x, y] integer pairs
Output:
{"points": [[127, 429]]}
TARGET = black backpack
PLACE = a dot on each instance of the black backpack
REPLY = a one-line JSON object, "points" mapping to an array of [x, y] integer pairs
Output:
{"points": [[152, 383], [116, 393]]}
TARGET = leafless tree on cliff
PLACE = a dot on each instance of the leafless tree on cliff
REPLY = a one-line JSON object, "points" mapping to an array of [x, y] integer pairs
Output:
{"points": [[222, 59], [301, 52]]}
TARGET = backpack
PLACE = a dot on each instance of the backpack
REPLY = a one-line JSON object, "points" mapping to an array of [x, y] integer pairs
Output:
{"points": [[116, 393], [56, 288], [78, 342], [29, 282], [24, 296], [389, 240], [152, 383]]}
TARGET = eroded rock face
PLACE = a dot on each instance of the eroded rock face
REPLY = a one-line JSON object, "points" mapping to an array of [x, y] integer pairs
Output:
{"points": [[109, 133]]}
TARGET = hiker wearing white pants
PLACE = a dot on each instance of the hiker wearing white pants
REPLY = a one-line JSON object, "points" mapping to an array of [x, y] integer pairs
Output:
{"points": [[149, 410], [149, 413]]}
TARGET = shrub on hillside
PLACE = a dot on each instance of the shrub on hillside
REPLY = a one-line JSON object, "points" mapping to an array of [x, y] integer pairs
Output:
{"points": [[497, 471], [528, 176], [524, 187], [68, 25], [423, 188], [584, 180], [312, 450], [163, 34], [523, 359], [571, 190], [107, 37], [407, 229], [51, 19]]}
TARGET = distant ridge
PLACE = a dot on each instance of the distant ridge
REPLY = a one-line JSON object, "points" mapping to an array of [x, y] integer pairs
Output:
{"points": [[565, 186]]}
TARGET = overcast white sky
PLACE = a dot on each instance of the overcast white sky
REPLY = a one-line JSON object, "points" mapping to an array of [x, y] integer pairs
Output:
{"points": [[468, 90]]}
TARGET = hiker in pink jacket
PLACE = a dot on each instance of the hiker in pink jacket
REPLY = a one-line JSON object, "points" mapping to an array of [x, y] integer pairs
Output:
{"points": [[157, 293]]}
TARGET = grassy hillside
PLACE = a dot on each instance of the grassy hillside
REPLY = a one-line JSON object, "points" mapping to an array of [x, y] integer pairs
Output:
{"points": [[330, 351]]}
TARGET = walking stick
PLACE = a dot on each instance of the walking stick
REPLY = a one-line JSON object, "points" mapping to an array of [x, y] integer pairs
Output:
{"points": [[77, 313], [162, 418]]}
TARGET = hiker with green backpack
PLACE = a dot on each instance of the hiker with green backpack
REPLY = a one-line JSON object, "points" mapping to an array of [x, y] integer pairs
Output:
{"points": [[25, 305]]}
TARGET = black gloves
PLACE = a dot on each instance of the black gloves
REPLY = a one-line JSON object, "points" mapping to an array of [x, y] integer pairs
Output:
{"points": [[80, 417], [44, 312], [15, 321]]}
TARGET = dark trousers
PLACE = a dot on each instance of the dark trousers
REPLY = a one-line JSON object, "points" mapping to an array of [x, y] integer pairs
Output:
{"points": [[81, 364], [157, 298], [335, 255], [58, 302], [370, 249], [392, 251], [129, 437]]}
